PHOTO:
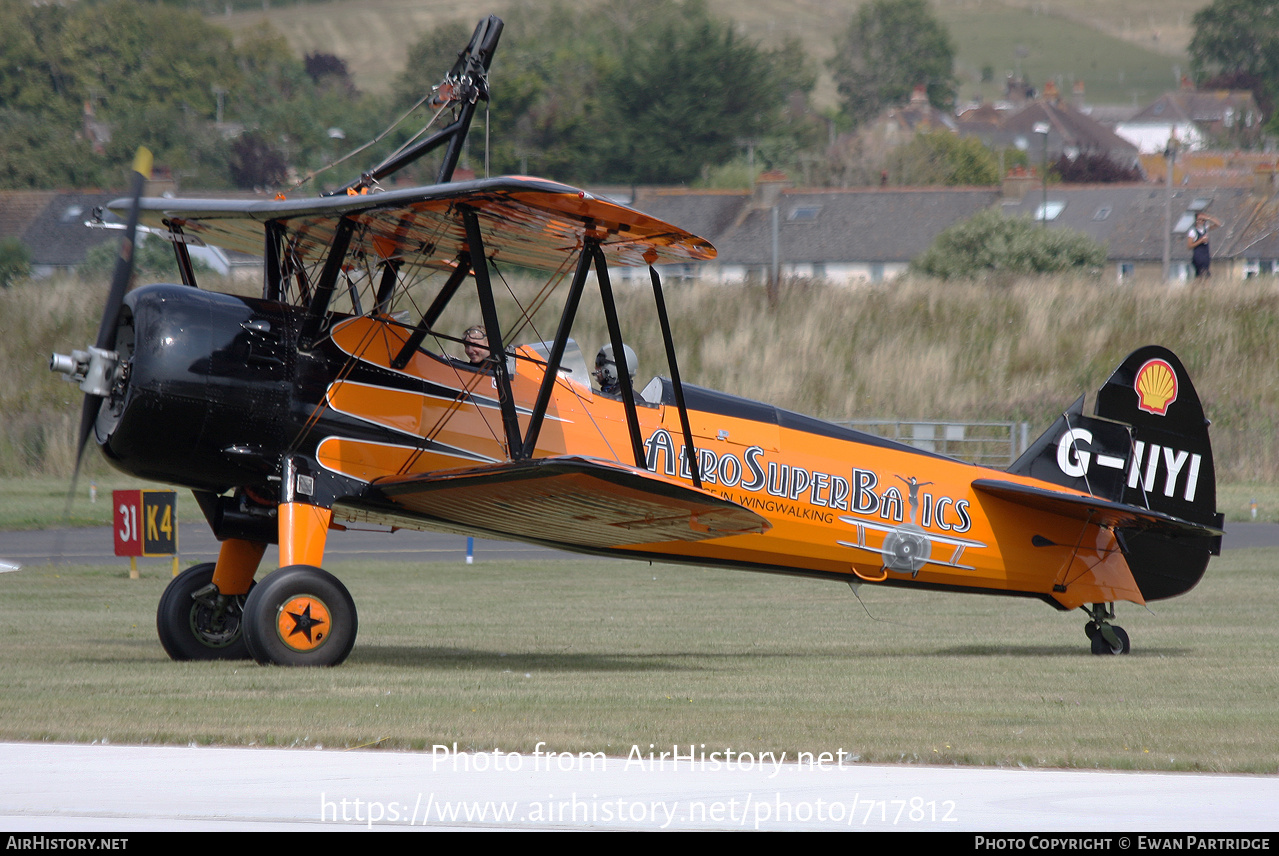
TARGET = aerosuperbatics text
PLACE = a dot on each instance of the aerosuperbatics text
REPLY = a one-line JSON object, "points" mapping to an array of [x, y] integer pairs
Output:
{"points": [[752, 478]]}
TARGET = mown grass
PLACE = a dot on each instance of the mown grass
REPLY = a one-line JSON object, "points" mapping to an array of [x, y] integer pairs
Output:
{"points": [[600, 656]]}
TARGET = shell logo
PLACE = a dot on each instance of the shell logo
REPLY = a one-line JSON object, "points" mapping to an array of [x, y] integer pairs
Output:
{"points": [[1156, 387]]}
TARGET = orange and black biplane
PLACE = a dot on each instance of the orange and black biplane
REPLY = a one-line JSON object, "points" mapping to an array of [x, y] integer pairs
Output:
{"points": [[331, 400]]}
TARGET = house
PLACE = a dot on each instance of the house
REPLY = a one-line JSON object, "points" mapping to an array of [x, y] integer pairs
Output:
{"points": [[1137, 221], [53, 226], [844, 236], [1049, 126], [867, 235], [1196, 118]]}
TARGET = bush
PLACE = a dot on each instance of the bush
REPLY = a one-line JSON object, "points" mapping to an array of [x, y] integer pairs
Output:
{"points": [[15, 261], [991, 242]]}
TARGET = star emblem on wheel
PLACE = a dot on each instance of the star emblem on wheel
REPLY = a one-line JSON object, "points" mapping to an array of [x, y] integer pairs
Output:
{"points": [[303, 622]]}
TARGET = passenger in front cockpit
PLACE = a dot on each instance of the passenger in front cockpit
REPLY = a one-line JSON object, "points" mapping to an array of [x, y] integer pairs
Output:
{"points": [[475, 341], [606, 373]]}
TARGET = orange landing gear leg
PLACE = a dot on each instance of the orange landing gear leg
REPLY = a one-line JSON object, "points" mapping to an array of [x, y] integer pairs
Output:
{"points": [[237, 563], [304, 529]]}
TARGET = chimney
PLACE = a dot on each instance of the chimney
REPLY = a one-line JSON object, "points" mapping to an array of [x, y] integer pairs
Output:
{"points": [[919, 96], [1077, 95], [1051, 93], [768, 189], [1264, 181], [1018, 182]]}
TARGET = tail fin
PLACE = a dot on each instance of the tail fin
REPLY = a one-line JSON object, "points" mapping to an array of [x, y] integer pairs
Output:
{"points": [[1147, 447]]}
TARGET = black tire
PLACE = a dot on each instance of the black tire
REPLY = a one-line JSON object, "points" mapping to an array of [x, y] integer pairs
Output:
{"points": [[193, 629], [300, 616], [1102, 647]]}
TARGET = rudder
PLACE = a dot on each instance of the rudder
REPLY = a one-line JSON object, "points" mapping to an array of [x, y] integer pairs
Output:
{"points": [[1147, 446]]}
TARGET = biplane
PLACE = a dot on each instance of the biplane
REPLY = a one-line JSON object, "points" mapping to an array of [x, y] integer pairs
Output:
{"points": [[331, 400]]}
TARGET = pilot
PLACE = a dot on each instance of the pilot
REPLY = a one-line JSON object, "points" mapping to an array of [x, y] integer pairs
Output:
{"points": [[606, 373], [475, 342]]}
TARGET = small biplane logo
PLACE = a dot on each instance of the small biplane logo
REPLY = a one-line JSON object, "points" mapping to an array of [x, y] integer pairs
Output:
{"points": [[1156, 387]]}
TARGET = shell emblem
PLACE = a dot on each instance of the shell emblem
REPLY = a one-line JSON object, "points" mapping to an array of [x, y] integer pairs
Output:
{"points": [[1156, 387]]}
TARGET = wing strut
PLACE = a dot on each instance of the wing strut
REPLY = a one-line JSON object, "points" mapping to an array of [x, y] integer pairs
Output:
{"points": [[182, 254], [557, 348], [433, 311], [694, 465], [319, 304], [497, 349], [273, 286], [386, 285], [619, 354]]}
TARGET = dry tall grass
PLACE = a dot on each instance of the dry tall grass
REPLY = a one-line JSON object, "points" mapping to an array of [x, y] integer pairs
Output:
{"points": [[912, 349]]}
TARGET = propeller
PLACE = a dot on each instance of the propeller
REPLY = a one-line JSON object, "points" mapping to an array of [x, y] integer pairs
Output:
{"points": [[95, 369]]}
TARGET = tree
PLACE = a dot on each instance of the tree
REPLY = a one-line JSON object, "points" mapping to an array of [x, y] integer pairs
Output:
{"points": [[687, 94], [1237, 36], [891, 47], [989, 242], [1093, 168], [651, 90], [15, 261], [942, 158]]}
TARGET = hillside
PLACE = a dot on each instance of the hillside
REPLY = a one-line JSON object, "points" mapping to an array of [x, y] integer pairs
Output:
{"points": [[1124, 51]]}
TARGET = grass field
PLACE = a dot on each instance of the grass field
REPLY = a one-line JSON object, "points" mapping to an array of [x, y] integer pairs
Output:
{"points": [[1122, 50], [600, 656]]}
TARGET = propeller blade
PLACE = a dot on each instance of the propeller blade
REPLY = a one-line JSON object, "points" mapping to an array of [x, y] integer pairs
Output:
{"points": [[124, 261], [115, 299]]}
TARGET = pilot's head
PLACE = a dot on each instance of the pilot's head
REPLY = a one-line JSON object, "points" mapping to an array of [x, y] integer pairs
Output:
{"points": [[606, 374], [476, 342]]}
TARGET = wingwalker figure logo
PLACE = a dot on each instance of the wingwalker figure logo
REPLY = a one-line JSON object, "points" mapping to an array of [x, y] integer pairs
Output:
{"points": [[908, 547]]}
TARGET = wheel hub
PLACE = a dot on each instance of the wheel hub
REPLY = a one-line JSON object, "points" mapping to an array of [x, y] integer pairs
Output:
{"points": [[303, 622]]}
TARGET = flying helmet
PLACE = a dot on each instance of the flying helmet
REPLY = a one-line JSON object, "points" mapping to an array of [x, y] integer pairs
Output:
{"points": [[606, 366]]}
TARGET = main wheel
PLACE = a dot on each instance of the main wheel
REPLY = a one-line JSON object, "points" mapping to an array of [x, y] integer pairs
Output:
{"points": [[196, 623], [1100, 645], [300, 616]]}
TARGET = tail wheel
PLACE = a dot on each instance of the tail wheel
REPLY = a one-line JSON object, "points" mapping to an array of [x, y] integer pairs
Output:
{"points": [[195, 622], [1102, 645], [300, 616]]}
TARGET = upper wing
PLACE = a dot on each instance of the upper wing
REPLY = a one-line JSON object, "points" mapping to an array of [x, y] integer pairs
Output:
{"points": [[568, 501], [524, 221]]}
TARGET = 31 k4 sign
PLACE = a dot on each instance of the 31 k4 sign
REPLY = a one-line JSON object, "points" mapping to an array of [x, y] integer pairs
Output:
{"points": [[146, 522]]}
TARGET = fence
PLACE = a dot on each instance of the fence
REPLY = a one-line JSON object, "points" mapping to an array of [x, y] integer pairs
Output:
{"points": [[990, 444]]}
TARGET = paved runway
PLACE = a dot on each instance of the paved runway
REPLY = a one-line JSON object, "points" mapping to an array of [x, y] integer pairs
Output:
{"points": [[113, 789]]}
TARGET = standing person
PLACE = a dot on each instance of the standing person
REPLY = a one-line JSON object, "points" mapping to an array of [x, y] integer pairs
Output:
{"points": [[1197, 243]]}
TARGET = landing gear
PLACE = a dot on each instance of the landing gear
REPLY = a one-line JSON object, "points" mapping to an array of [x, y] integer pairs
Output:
{"points": [[1106, 638], [300, 616], [195, 622]]}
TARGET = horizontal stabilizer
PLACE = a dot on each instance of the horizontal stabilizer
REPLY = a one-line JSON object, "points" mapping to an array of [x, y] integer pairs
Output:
{"points": [[1092, 509], [571, 501]]}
